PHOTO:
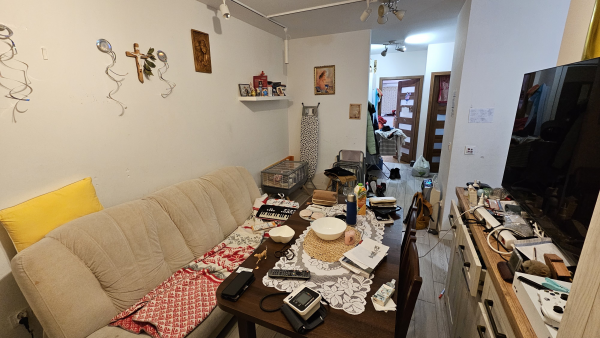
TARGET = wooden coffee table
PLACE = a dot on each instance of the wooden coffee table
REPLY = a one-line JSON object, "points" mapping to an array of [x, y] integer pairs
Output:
{"points": [[338, 323]]}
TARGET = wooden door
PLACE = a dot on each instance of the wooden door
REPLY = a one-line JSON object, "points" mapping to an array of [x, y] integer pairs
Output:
{"points": [[407, 114], [436, 117]]}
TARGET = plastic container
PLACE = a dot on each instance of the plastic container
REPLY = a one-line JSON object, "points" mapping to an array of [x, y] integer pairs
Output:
{"points": [[351, 209], [361, 199]]}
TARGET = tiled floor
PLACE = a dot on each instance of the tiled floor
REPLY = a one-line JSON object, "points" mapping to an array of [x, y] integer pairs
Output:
{"points": [[429, 318]]}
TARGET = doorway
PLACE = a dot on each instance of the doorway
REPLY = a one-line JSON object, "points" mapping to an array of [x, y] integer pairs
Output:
{"points": [[406, 90], [436, 119]]}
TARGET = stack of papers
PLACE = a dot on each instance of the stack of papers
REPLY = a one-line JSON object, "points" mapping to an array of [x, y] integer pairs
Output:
{"points": [[365, 257]]}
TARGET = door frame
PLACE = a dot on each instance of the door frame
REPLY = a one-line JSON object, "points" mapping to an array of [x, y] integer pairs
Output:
{"points": [[413, 147], [430, 118]]}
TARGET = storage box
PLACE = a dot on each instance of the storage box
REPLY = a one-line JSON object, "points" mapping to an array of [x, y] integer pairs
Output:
{"points": [[284, 177]]}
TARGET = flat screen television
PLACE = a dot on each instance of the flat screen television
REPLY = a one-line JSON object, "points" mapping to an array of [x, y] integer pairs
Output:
{"points": [[553, 163]]}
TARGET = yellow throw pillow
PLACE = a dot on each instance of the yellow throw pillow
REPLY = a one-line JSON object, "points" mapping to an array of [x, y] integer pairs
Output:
{"points": [[30, 221]]}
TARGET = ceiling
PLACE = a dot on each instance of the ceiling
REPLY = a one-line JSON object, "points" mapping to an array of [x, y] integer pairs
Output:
{"points": [[435, 17]]}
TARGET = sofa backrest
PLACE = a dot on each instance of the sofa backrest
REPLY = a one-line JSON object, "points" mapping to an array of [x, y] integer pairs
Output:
{"points": [[87, 271]]}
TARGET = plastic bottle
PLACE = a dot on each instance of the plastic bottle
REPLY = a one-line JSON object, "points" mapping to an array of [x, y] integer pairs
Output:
{"points": [[361, 199], [351, 209], [472, 196]]}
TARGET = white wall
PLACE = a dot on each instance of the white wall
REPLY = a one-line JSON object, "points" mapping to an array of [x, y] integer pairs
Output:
{"points": [[72, 130], [349, 52], [496, 56], [399, 64], [576, 29], [439, 59]]}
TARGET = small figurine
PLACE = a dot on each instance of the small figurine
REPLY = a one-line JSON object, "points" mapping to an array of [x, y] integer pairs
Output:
{"points": [[253, 92], [260, 256]]}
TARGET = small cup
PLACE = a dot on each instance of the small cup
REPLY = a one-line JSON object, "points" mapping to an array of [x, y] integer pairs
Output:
{"points": [[350, 237]]}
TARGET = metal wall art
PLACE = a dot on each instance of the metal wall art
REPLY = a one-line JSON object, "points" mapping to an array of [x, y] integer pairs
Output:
{"points": [[105, 47], [201, 48], [162, 56], [23, 89]]}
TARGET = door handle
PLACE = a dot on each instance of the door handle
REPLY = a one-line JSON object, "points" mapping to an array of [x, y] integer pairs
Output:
{"points": [[481, 331], [488, 308]]}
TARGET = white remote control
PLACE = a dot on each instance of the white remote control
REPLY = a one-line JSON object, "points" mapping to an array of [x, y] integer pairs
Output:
{"points": [[553, 306]]}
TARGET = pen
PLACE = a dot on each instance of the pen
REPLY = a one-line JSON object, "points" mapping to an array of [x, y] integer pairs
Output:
{"points": [[534, 253]]}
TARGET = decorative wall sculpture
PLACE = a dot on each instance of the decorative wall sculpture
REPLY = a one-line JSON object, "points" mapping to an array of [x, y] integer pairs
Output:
{"points": [[23, 89], [162, 56], [105, 47]]}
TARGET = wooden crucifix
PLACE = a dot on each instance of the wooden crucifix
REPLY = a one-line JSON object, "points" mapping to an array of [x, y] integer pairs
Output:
{"points": [[137, 55]]}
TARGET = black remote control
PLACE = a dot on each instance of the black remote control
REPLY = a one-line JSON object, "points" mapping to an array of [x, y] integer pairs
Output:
{"points": [[279, 273]]}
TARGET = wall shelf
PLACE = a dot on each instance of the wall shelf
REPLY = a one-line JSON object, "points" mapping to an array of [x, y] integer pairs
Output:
{"points": [[263, 98]]}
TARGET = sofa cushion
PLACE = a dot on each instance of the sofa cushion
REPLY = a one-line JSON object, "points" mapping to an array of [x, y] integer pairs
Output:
{"points": [[238, 189], [30, 221], [190, 207]]}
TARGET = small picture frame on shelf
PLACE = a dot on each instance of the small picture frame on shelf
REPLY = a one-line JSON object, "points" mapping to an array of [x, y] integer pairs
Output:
{"points": [[281, 89], [245, 90]]}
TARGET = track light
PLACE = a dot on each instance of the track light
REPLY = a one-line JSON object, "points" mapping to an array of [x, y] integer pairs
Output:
{"points": [[401, 48], [399, 14], [225, 10], [384, 53], [365, 15]]}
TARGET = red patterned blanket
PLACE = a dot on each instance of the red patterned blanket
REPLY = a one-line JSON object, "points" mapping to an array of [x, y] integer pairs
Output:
{"points": [[175, 307]]}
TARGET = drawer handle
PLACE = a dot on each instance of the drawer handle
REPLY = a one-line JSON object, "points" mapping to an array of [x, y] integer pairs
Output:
{"points": [[488, 308], [462, 256], [451, 219], [481, 331]]}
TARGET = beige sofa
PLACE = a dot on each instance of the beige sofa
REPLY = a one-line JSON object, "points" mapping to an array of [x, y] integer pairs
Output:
{"points": [[87, 271]]}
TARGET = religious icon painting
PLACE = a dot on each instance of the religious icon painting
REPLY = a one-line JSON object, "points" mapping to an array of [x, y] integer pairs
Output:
{"points": [[324, 80], [201, 47]]}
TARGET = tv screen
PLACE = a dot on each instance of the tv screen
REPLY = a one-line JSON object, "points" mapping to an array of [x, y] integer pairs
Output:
{"points": [[553, 164]]}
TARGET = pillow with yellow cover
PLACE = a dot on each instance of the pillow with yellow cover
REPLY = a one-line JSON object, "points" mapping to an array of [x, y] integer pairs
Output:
{"points": [[30, 221]]}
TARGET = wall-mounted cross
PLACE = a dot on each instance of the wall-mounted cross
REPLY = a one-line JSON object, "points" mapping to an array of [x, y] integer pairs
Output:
{"points": [[137, 55]]}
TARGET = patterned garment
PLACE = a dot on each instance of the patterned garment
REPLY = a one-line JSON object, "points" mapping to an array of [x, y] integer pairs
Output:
{"points": [[343, 289], [175, 307], [309, 143]]}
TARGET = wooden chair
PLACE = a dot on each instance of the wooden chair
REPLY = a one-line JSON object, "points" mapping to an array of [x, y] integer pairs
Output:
{"points": [[409, 285], [408, 234]]}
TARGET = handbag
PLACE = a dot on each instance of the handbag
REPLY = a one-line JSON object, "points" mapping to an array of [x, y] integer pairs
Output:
{"points": [[324, 197]]}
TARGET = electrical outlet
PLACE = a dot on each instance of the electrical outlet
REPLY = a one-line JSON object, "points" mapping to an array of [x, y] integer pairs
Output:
{"points": [[469, 150], [14, 319]]}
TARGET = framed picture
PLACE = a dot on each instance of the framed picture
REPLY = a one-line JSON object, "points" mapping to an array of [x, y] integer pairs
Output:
{"points": [[324, 80], [355, 111], [201, 47], [245, 89], [259, 81]]}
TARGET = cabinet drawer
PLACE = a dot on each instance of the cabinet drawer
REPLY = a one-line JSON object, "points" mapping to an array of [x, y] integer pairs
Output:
{"points": [[494, 310], [484, 327], [471, 265]]}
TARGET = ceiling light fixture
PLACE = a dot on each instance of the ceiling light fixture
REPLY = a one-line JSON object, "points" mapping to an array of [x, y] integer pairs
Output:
{"points": [[401, 48], [384, 53], [225, 10], [365, 15], [388, 6]]}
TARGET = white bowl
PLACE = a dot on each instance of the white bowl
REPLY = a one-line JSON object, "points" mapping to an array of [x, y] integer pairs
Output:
{"points": [[329, 228], [282, 234]]}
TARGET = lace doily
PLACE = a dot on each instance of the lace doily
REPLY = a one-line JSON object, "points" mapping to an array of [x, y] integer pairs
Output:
{"points": [[343, 289]]}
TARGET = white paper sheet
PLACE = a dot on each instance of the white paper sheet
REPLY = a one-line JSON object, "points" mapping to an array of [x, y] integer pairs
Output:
{"points": [[481, 115], [540, 250]]}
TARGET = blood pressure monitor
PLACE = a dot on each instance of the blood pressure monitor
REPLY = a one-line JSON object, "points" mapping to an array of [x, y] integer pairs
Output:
{"points": [[304, 301]]}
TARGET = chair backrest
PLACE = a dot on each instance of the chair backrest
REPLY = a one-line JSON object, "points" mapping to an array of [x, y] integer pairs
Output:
{"points": [[351, 156], [408, 289], [405, 240]]}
